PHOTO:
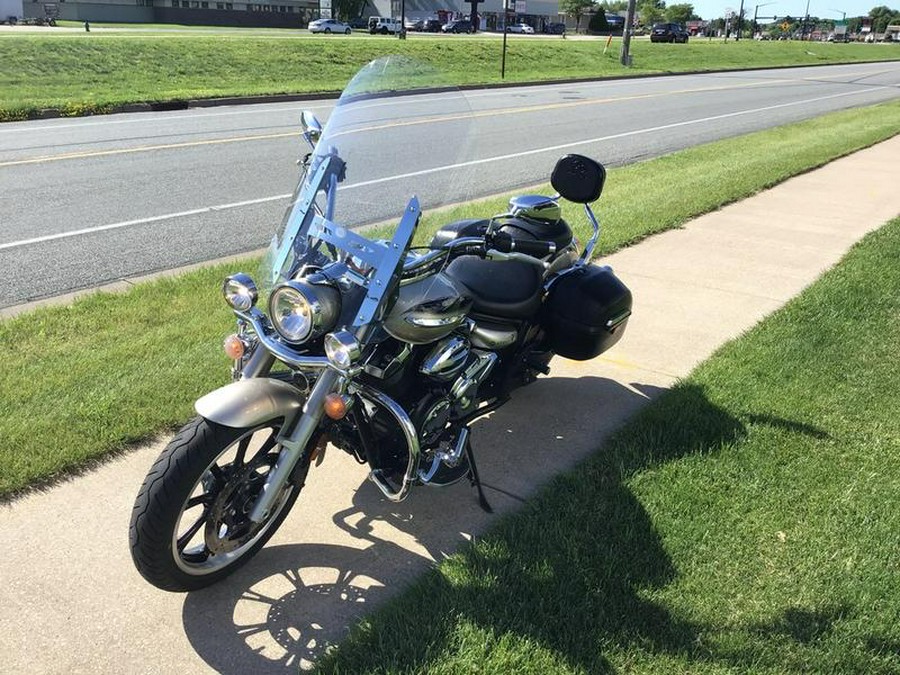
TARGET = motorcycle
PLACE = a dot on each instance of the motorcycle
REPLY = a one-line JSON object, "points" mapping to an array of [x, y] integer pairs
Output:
{"points": [[387, 350]]}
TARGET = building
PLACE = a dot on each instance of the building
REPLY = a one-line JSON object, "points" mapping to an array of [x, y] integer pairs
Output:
{"points": [[288, 13], [281, 14], [536, 13]]}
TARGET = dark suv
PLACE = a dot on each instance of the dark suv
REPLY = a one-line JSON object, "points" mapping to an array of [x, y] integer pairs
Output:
{"points": [[461, 26], [669, 32]]}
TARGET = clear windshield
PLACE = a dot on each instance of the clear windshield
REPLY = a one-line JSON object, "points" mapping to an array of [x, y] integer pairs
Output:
{"points": [[398, 131]]}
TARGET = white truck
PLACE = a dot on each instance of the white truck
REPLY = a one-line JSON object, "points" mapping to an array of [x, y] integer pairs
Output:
{"points": [[382, 25], [10, 11]]}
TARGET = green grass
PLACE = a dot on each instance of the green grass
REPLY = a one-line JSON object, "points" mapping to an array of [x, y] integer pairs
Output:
{"points": [[82, 381], [746, 522], [81, 73]]}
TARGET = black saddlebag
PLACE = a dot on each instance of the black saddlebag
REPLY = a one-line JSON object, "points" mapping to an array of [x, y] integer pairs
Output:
{"points": [[586, 312]]}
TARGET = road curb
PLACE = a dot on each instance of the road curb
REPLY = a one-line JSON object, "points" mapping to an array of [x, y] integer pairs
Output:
{"points": [[185, 104]]}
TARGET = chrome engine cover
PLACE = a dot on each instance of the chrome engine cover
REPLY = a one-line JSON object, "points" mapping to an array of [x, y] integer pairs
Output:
{"points": [[447, 359]]}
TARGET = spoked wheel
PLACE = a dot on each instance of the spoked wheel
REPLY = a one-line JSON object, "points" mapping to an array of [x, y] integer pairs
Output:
{"points": [[191, 521]]}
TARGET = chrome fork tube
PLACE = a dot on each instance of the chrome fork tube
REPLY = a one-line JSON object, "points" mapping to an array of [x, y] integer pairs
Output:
{"points": [[294, 444], [259, 363]]}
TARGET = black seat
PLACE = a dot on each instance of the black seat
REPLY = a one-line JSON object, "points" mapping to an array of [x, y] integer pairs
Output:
{"points": [[511, 290]]}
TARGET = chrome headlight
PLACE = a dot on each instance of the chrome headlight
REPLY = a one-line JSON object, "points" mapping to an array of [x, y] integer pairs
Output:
{"points": [[301, 311], [240, 292]]}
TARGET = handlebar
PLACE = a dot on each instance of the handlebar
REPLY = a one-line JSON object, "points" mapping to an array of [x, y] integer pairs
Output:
{"points": [[497, 246]]}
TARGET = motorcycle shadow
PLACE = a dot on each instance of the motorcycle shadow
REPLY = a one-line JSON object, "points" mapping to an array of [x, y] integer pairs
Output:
{"points": [[283, 610]]}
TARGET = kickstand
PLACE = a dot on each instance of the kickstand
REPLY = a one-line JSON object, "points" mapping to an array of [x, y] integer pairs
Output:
{"points": [[475, 480]]}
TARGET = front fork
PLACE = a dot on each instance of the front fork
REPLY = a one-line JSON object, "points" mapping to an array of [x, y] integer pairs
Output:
{"points": [[294, 442]]}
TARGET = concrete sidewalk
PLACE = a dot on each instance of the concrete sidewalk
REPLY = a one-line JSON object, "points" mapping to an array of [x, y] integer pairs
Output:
{"points": [[71, 602]]}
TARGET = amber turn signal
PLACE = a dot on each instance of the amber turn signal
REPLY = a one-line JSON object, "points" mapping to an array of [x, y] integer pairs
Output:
{"points": [[234, 347], [336, 406]]}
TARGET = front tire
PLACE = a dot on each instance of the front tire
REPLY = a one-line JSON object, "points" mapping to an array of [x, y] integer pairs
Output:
{"points": [[190, 525]]}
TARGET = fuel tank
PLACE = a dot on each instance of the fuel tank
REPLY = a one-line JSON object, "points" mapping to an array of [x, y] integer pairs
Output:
{"points": [[427, 309]]}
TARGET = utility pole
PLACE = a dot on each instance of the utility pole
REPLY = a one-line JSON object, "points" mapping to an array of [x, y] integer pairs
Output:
{"points": [[626, 34], [740, 22], [755, 10], [805, 22], [506, 4]]}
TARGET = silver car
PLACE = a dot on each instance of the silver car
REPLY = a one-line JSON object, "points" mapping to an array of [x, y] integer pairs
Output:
{"points": [[329, 26]]}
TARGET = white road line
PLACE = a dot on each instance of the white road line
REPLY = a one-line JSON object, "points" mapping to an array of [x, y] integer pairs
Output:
{"points": [[600, 139], [135, 118], [141, 221], [376, 181]]}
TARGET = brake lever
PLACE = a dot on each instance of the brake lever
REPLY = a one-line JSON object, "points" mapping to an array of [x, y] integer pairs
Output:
{"points": [[500, 256]]}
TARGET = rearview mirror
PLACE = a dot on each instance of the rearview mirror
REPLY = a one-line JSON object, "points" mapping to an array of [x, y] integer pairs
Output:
{"points": [[312, 129], [578, 178]]}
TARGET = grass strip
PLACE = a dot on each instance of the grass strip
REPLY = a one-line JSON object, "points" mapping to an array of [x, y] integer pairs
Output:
{"points": [[744, 522], [86, 380], [83, 73]]}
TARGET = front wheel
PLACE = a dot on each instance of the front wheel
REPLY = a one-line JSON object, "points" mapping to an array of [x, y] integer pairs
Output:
{"points": [[190, 526]]}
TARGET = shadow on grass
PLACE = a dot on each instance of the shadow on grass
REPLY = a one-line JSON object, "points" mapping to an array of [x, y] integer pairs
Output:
{"points": [[570, 572]]}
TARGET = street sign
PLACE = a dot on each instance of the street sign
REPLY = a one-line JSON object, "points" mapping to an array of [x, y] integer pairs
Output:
{"points": [[520, 6]]}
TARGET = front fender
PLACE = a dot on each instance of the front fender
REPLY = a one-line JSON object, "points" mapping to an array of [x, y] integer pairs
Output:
{"points": [[247, 403]]}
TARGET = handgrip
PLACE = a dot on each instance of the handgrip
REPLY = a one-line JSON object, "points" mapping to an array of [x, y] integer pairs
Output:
{"points": [[503, 242]]}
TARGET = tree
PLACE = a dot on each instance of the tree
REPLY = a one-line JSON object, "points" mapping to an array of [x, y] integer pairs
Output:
{"points": [[349, 9], [651, 12], [598, 22], [882, 17], [576, 8], [679, 13], [614, 6]]}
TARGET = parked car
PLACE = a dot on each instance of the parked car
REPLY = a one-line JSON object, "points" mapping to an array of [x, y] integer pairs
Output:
{"points": [[329, 26], [521, 28], [383, 25], [460, 26], [555, 28], [358, 23], [432, 26], [669, 32], [414, 24]]}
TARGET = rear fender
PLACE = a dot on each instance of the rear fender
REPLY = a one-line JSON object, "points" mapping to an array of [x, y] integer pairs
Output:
{"points": [[248, 403]]}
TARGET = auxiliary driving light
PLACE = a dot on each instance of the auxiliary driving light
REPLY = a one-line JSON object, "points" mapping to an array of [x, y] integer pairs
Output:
{"points": [[240, 292], [341, 348]]}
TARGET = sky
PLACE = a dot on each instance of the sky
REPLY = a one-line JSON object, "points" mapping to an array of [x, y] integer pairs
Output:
{"points": [[711, 9]]}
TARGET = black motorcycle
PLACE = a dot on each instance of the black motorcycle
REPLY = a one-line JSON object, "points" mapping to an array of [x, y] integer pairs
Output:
{"points": [[384, 349]]}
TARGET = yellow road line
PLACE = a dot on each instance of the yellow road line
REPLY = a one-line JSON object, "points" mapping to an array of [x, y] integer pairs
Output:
{"points": [[424, 120], [143, 148]]}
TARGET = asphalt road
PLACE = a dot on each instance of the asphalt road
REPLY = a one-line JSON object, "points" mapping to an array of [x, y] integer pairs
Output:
{"points": [[89, 201]]}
